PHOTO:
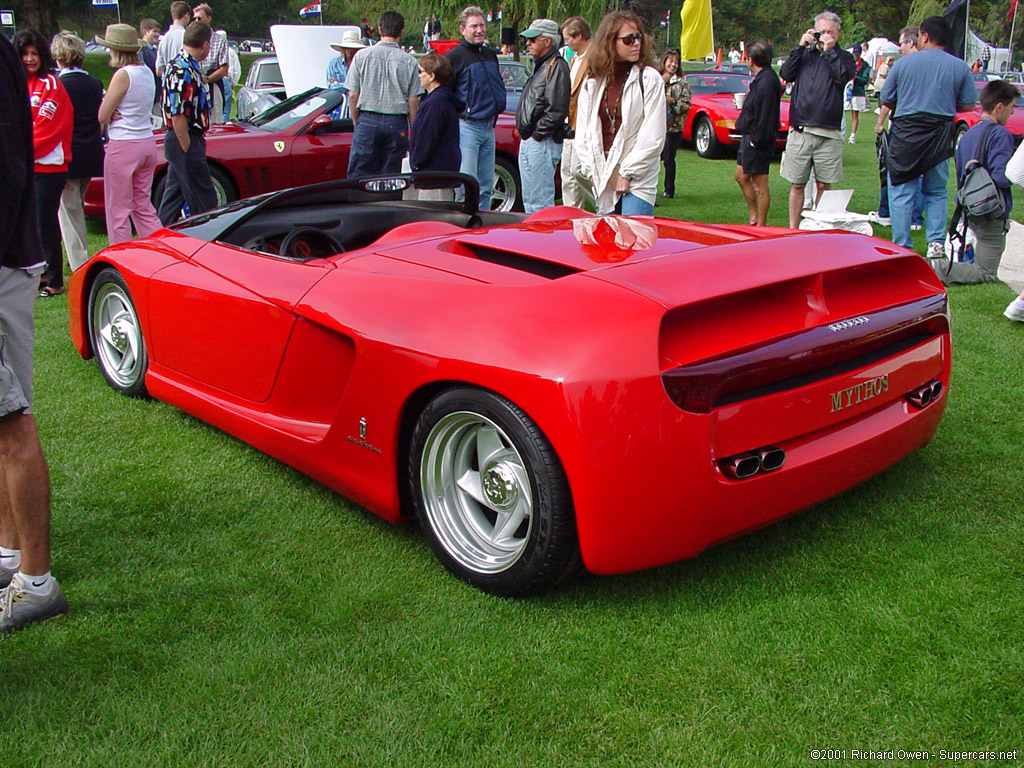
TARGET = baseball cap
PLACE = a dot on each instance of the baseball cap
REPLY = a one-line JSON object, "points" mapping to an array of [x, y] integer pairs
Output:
{"points": [[857, 50], [545, 27]]}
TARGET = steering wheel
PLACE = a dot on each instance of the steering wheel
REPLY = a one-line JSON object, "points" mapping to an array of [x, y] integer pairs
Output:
{"points": [[305, 243]]}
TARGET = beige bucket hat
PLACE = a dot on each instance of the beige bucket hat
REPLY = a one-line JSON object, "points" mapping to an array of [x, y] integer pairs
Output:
{"points": [[121, 37], [349, 39]]}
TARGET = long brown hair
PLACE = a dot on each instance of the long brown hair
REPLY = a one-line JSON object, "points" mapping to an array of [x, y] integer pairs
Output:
{"points": [[601, 54]]}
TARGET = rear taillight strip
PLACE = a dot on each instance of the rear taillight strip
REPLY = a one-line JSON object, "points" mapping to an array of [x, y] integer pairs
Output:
{"points": [[806, 356]]}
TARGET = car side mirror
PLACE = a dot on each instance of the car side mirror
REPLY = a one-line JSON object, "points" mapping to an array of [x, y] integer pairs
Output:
{"points": [[321, 124]]}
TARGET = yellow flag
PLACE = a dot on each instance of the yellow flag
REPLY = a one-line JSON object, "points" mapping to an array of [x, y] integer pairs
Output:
{"points": [[695, 41]]}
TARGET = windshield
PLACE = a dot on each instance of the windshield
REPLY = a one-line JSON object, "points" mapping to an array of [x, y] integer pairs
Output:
{"points": [[283, 116], [702, 83], [514, 75], [269, 75]]}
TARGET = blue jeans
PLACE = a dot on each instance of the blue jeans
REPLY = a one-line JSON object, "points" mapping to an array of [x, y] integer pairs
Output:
{"points": [[631, 205], [537, 163], [476, 142], [228, 92], [883, 204], [379, 143], [901, 205]]}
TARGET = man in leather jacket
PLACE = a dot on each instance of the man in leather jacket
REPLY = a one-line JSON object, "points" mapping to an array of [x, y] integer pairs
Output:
{"points": [[540, 118]]}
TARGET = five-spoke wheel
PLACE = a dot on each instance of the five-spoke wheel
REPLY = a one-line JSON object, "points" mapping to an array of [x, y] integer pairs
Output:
{"points": [[115, 334], [492, 495]]}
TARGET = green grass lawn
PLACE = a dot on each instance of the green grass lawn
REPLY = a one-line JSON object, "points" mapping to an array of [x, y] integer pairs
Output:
{"points": [[228, 611]]}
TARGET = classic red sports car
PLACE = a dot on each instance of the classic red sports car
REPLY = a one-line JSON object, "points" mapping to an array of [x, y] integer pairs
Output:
{"points": [[540, 391], [296, 142], [711, 121], [1015, 125]]}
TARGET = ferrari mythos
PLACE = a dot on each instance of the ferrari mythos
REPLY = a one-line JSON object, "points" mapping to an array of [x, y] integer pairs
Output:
{"points": [[545, 393]]}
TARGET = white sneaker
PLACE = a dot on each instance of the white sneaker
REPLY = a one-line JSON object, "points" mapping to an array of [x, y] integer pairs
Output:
{"points": [[852, 139], [936, 251], [1015, 311], [915, 227], [883, 221]]}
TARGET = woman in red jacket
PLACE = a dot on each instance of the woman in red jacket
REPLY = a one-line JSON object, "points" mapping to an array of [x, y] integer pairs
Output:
{"points": [[52, 123]]}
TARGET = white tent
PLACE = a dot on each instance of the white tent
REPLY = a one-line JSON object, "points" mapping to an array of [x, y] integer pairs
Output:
{"points": [[999, 57], [878, 49]]}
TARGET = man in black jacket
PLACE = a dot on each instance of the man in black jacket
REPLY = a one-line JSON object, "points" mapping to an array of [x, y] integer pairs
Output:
{"points": [[540, 119], [479, 87], [819, 71], [759, 125], [29, 593]]}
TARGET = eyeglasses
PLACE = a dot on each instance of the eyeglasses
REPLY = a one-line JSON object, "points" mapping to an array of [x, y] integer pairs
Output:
{"points": [[905, 42], [632, 39]]}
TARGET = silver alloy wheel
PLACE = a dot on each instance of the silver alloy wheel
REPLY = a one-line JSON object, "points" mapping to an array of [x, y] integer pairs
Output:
{"points": [[702, 137], [503, 196], [476, 492], [117, 337]]}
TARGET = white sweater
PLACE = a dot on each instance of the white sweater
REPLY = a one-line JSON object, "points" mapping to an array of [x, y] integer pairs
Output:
{"points": [[636, 151]]}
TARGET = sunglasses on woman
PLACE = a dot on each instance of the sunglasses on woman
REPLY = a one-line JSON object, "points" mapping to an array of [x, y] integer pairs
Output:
{"points": [[632, 39]]}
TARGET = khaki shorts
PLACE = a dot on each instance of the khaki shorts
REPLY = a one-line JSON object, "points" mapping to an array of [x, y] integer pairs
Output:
{"points": [[18, 288], [804, 150]]}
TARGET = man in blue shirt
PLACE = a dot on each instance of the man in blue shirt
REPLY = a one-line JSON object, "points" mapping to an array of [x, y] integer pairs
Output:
{"points": [[997, 101], [924, 92]]}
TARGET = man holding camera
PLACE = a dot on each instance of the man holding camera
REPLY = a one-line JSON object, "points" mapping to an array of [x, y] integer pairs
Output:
{"points": [[819, 71]]}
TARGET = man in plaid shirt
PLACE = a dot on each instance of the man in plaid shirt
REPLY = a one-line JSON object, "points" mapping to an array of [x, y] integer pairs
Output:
{"points": [[187, 112], [215, 65]]}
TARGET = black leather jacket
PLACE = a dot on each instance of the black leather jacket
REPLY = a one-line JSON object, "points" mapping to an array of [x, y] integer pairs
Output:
{"points": [[544, 103]]}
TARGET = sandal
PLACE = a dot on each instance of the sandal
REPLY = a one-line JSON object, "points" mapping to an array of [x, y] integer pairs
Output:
{"points": [[47, 293]]}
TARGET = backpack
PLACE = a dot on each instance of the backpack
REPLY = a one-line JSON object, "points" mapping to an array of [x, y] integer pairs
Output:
{"points": [[976, 193]]}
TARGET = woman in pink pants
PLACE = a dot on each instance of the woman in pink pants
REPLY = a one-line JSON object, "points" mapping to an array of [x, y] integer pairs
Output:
{"points": [[131, 155]]}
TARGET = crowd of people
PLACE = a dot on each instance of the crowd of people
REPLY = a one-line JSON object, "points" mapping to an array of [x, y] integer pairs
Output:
{"points": [[595, 105]]}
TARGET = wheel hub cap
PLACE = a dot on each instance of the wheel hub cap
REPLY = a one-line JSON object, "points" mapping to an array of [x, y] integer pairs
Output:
{"points": [[118, 338], [500, 487]]}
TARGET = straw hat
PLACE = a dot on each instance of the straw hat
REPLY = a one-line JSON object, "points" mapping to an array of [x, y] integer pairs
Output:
{"points": [[349, 39], [121, 37]]}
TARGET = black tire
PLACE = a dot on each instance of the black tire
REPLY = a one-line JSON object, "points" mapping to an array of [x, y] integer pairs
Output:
{"points": [[116, 336], [704, 139], [508, 188], [222, 183], [961, 129], [507, 527]]}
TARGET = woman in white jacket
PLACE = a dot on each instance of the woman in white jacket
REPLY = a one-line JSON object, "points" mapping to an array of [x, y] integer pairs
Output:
{"points": [[620, 124]]}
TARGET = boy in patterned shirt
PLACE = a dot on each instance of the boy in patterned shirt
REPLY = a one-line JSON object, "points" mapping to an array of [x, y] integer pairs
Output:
{"points": [[186, 104]]}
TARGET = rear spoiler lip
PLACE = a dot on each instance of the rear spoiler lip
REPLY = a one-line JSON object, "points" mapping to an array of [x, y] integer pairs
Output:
{"points": [[805, 356]]}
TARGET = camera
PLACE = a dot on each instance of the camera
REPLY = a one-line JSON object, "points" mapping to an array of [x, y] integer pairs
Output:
{"points": [[817, 35]]}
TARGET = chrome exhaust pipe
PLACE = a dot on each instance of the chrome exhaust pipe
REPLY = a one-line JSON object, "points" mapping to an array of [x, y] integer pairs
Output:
{"points": [[741, 466], [771, 458], [921, 396]]}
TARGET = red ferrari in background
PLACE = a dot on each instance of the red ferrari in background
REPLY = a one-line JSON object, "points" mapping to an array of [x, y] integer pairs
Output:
{"points": [[1015, 125], [540, 392], [711, 121], [296, 142]]}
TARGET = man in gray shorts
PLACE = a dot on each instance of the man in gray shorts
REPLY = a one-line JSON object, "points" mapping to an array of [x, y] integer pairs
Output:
{"points": [[819, 71], [29, 593]]}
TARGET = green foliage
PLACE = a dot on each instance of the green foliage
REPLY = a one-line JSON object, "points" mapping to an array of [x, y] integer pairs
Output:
{"points": [[922, 9]]}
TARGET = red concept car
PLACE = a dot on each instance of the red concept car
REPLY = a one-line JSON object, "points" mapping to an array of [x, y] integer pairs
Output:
{"points": [[1015, 125], [296, 142], [543, 392], [711, 121]]}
